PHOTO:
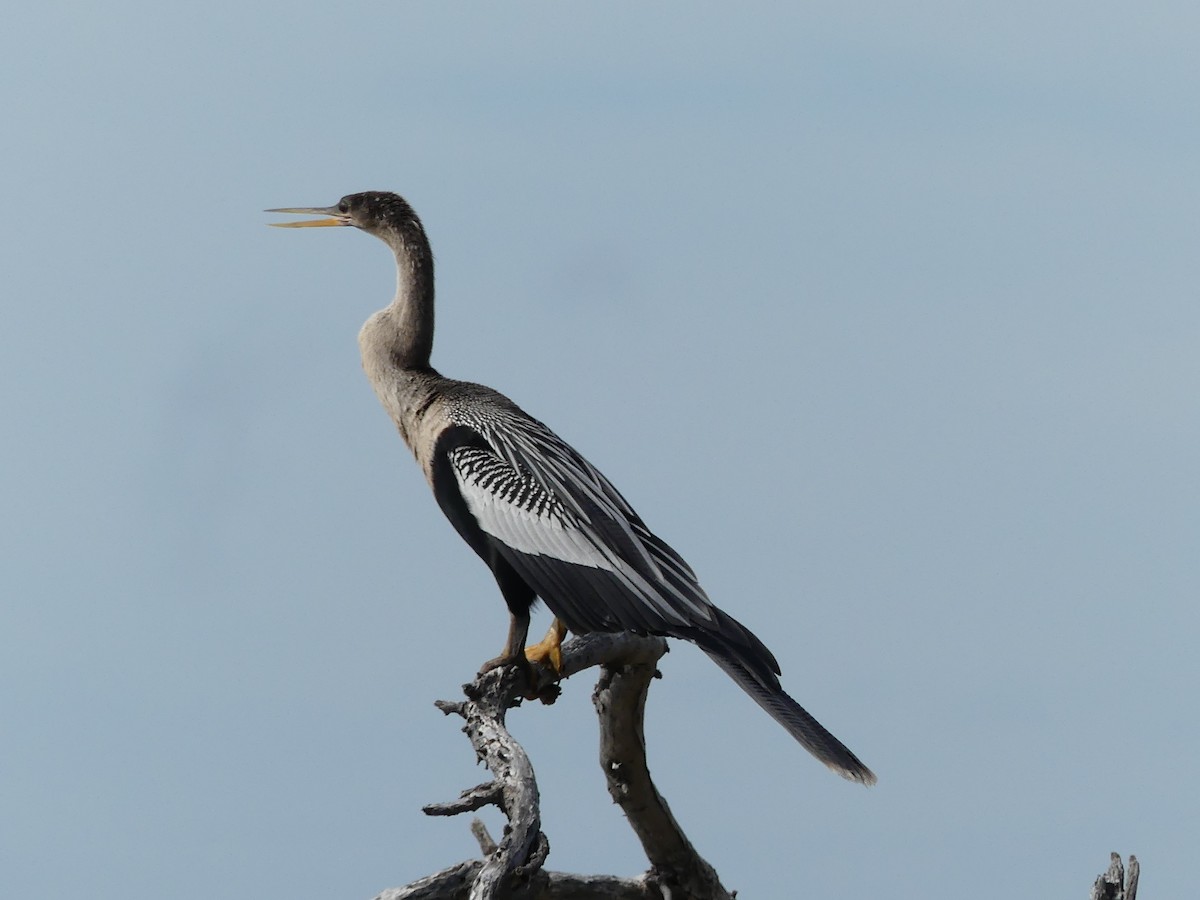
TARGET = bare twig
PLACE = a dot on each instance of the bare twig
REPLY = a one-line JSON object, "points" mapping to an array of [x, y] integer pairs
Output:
{"points": [[470, 800], [486, 845]]}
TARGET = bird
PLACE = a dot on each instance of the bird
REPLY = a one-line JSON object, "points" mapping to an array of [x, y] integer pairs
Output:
{"points": [[543, 519]]}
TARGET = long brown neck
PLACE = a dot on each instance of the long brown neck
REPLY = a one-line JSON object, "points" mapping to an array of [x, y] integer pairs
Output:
{"points": [[408, 321]]}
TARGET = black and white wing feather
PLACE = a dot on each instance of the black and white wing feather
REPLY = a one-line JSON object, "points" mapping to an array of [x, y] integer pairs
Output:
{"points": [[571, 536], [559, 521]]}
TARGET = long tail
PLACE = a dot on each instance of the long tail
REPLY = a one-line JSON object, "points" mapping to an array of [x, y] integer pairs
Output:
{"points": [[791, 715]]}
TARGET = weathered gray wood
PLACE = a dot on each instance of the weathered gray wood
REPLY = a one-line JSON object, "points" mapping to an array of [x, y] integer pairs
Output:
{"points": [[449, 884], [455, 884], [486, 845], [513, 867], [1131, 878], [561, 886], [1117, 883], [620, 701], [488, 794], [523, 848]]}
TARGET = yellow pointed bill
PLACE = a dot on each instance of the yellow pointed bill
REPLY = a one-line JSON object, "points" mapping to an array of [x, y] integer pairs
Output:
{"points": [[335, 217]]}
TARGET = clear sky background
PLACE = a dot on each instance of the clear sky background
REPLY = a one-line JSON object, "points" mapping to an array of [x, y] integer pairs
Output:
{"points": [[885, 316]]}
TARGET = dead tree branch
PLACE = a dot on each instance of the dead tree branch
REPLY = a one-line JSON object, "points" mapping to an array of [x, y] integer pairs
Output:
{"points": [[1117, 883], [513, 868], [620, 701]]}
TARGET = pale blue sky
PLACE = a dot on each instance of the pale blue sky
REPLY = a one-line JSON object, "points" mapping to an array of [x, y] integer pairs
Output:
{"points": [[886, 318]]}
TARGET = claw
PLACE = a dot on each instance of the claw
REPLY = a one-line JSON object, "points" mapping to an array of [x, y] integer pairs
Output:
{"points": [[504, 659]]}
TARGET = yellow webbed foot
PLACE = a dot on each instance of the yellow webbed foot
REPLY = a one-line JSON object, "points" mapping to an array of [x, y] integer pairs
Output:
{"points": [[548, 651]]}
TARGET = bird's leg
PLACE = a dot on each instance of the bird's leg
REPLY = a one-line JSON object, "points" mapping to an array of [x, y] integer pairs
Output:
{"points": [[514, 648], [549, 648]]}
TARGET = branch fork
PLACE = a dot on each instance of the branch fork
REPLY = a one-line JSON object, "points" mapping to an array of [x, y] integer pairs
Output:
{"points": [[513, 867]]}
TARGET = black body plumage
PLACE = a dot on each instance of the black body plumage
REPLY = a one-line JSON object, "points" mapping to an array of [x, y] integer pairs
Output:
{"points": [[545, 521]]}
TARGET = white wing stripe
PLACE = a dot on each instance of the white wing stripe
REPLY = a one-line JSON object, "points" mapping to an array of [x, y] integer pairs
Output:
{"points": [[562, 475], [534, 507], [542, 534], [549, 535]]}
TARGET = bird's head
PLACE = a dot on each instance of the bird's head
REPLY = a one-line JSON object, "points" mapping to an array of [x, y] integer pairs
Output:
{"points": [[385, 215]]}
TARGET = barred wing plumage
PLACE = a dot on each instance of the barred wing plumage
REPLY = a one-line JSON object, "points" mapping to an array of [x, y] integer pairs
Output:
{"points": [[562, 524], [571, 536]]}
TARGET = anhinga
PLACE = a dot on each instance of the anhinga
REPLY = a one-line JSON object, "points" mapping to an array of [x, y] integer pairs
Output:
{"points": [[545, 521]]}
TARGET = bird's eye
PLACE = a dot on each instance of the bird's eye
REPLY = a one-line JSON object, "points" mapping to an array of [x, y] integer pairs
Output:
{"points": [[343, 206]]}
